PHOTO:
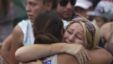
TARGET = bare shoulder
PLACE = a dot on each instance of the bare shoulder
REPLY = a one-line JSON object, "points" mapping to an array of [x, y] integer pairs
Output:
{"points": [[17, 30], [101, 56], [15, 36], [106, 30], [106, 27], [66, 59]]}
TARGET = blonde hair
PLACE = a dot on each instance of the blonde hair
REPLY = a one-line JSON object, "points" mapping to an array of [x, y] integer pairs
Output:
{"points": [[91, 33]]}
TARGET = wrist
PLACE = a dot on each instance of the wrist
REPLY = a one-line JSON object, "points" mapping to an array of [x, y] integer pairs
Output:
{"points": [[57, 48]]}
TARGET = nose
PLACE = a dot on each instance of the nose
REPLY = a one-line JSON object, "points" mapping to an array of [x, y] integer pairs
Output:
{"points": [[71, 38], [28, 8]]}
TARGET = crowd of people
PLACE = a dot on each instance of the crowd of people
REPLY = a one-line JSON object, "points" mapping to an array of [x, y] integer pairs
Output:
{"points": [[56, 32]]}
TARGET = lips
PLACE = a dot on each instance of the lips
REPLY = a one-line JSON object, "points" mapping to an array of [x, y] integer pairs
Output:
{"points": [[68, 13], [30, 16]]}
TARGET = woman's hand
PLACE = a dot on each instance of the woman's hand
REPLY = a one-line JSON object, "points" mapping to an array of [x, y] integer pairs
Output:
{"points": [[78, 51]]}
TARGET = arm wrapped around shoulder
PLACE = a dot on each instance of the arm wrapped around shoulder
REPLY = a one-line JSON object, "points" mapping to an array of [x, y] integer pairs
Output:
{"points": [[78, 51]]}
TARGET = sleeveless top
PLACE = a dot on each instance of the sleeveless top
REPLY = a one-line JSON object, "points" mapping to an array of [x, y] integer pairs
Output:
{"points": [[51, 60], [27, 29]]}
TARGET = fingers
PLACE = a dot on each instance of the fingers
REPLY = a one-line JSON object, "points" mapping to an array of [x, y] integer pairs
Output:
{"points": [[85, 56], [79, 52], [82, 56], [72, 49]]}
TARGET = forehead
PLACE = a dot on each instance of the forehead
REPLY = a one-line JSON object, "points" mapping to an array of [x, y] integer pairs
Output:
{"points": [[76, 26]]}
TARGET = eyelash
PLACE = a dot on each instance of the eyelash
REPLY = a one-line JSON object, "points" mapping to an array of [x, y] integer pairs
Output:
{"points": [[69, 32], [79, 37]]}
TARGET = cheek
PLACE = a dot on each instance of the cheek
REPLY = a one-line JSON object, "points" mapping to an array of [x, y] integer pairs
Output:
{"points": [[59, 9], [36, 10], [65, 37], [79, 41]]}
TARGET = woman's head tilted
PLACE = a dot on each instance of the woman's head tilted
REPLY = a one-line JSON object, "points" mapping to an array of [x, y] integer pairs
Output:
{"points": [[84, 33], [48, 28]]}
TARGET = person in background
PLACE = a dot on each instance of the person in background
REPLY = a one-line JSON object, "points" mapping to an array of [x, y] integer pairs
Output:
{"points": [[18, 6], [102, 13], [7, 19], [9, 16], [81, 8], [107, 35], [65, 10]]}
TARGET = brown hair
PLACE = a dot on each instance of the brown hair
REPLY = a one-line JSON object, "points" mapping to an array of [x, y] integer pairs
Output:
{"points": [[47, 28]]}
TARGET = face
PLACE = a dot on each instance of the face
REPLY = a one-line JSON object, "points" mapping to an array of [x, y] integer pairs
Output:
{"points": [[81, 11], [74, 34], [33, 8], [65, 9]]}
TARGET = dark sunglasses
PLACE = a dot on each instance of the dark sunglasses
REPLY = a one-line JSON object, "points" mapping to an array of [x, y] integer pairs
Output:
{"points": [[65, 2]]}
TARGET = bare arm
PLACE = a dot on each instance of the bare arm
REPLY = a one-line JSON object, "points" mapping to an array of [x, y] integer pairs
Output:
{"points": [[109, 47], [100, 56], [10, 45], [61, 59], [33, 52], [67, 59]]}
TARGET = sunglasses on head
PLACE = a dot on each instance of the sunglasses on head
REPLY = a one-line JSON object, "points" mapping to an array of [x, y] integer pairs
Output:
{"points": [[65, 2]]}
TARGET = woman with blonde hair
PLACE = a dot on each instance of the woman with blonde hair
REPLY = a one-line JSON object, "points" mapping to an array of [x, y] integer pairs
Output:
{"points": [[82, 42]]}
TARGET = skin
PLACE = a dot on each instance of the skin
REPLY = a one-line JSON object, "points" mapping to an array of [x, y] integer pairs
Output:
{"points": [[99, 21], [81, 12], [96, 56], [14, 40], [71, 36], [106, 33], [35, 7], [106, 30], [49, 50]]}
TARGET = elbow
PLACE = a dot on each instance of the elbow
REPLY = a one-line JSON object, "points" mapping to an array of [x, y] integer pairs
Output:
{"points": [[20, 56]]}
